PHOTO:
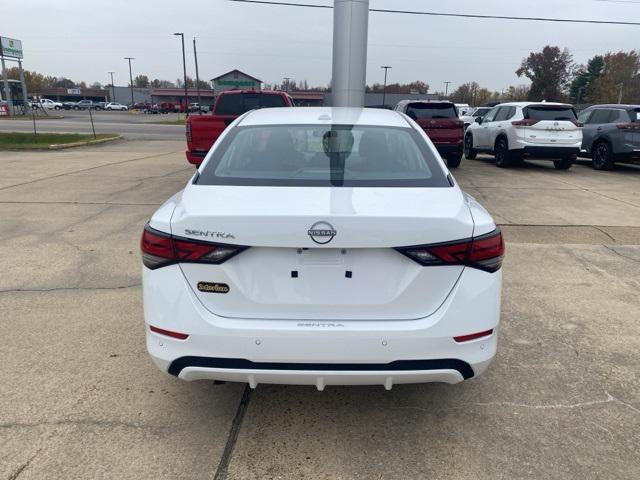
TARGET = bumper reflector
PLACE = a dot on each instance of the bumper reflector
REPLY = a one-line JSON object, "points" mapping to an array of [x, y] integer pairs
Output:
{"points": [[169, 333], [473, 336]]}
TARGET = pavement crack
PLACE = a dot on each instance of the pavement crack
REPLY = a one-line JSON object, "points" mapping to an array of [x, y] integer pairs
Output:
{"points": [[621, 254], [16, 473], [225, 460], [58, 289], [606, 233]]}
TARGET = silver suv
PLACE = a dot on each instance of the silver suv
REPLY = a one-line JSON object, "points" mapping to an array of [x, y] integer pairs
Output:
{"points": [[611, 134]]}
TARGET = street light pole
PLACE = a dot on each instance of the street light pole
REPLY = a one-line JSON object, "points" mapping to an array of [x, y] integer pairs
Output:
{"points": [[113, 88], [195, 56], [184, 70], [620, 94], [446, 89], [130, 79], [384, 87]]}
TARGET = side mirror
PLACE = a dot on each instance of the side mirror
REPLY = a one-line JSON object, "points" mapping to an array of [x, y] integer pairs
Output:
{"points": [[479, 120]]}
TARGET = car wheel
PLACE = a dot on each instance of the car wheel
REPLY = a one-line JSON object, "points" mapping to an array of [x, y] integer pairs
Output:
{"points": [[57, 107], [469, 151], [564, 163], [453, 161], [501, 152], [602, 156], [76, 108]]}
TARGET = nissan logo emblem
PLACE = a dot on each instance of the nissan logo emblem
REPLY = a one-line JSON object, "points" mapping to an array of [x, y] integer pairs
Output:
{"points": [[322, 232]]}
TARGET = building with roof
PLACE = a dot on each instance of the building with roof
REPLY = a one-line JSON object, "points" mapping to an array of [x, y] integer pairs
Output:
{"points": [[235, 79]]}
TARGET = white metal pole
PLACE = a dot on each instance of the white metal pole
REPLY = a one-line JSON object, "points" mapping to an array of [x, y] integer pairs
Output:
{"points": [[7, 90], [350, 35]]}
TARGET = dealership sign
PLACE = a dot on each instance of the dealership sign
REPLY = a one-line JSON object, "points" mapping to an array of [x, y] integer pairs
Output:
{"points": [[11, 47]]}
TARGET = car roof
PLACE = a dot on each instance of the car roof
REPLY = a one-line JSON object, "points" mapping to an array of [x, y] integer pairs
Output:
{"points": [[325, 116], [238, 91], [614, 105], [527, 104]]}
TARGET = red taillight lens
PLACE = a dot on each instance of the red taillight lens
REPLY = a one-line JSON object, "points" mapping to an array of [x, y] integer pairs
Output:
{"points": [[160, 249], [169, 333], [629, 126], [525, 122], [484, 253], [188, 132], [473, 336]]}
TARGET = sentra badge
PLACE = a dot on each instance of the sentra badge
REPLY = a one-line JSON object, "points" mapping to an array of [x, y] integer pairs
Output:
{"points": [[210, 287]]}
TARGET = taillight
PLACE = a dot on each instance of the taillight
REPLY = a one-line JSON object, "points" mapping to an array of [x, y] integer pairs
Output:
{"points": [[169, 333], [577, 123], [484, 253], [188, 127], [161, 249], [629, 126], [525, 122], [473, 336]]}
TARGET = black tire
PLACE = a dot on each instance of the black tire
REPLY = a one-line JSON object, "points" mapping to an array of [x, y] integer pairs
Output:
{"points": [[453, 161], [469, 152], [502, 155], [57, 107], [564, 163], [602, 156], [76, 108]]}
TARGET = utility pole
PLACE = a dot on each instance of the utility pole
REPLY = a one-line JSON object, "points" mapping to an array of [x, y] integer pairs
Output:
{"points": [[384, 86], [350, 32], [130, 79], [620, 94], [184, 70], [446, 89], [195, 57], [113, 88]]}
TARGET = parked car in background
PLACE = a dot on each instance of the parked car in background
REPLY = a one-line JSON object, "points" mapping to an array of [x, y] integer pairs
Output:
{"points": [[203, 130], [321, 246], [514, 131], [115, 106], [479, 112], [68, 105], [439, 119], [47, 103], [88, 104], [463, 109], [611, 134]]}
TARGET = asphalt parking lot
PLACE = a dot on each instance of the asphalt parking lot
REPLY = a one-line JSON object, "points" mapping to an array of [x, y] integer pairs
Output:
{"points": [[80, 398]]}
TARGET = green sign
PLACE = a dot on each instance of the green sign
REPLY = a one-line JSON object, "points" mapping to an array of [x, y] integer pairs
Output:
{"points": [[10, 47], [236, 83]]}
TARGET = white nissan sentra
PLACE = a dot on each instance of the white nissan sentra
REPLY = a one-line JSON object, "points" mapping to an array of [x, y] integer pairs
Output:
{"points": [[322, 246]]}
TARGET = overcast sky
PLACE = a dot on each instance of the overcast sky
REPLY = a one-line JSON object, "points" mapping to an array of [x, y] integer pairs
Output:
{"points": [[83, 41]]}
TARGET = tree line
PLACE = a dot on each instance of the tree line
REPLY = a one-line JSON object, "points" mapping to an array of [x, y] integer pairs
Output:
{"points": [[36, 82], [610, 78]]}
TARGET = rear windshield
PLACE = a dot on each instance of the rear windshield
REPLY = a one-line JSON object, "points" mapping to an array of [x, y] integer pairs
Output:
{"points": [[431, 110], [240, 103], [548, 112], [634, 114], [316, 155]]}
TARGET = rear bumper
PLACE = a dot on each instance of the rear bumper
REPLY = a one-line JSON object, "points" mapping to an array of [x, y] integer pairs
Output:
{"points": [[322, 352], [195, 157], [446, 149], [550, 152]]}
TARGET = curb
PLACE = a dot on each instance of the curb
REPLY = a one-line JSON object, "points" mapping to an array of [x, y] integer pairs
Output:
{"points": [[62, 146]]}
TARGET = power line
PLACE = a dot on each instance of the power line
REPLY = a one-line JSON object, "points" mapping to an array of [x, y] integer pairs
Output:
{"points": [[443, 14]]}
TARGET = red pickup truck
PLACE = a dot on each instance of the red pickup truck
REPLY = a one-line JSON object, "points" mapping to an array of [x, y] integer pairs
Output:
{"points": [[204, 130], [440, 121]]}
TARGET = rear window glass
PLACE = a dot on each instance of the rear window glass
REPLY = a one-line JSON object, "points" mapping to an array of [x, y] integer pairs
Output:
{"points": [[318, 155], [434, 111], [635, 114], [548, 112], [240, 103]]}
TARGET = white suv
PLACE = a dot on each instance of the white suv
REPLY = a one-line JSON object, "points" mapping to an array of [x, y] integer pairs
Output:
{"points": [[513, 131]]}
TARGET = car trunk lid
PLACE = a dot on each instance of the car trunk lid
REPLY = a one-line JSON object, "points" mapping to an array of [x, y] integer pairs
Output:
{"points": [[322, 253]]}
